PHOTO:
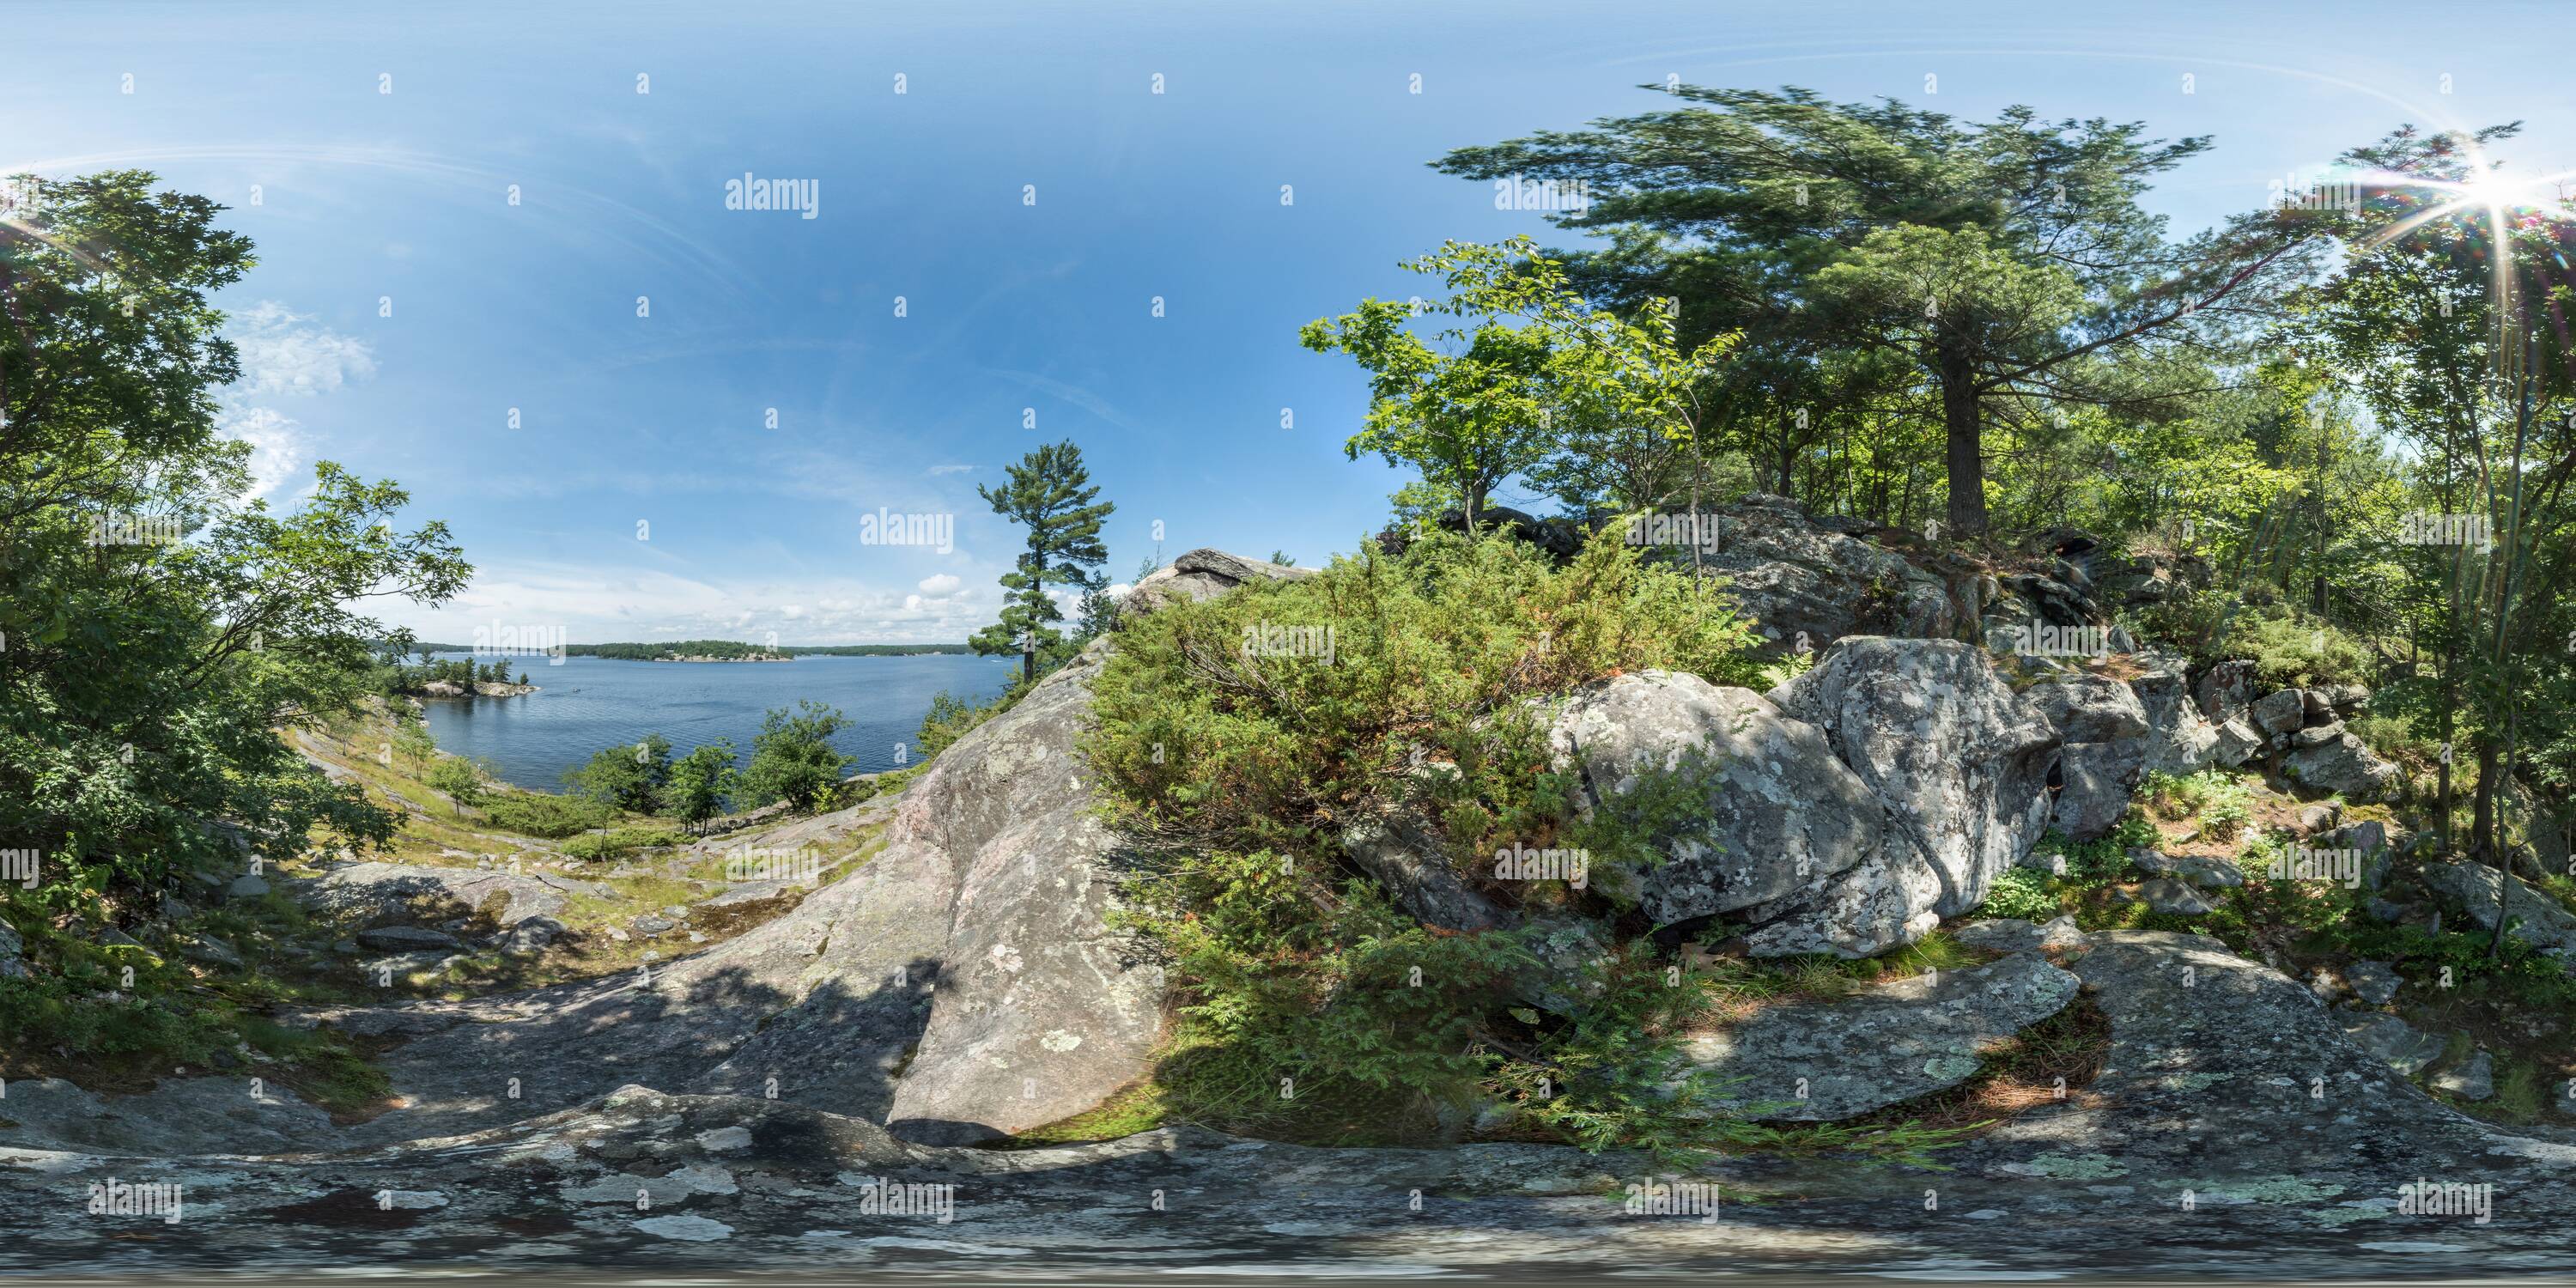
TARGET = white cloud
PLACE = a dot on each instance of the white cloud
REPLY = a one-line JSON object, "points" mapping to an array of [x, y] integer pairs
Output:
{"points": [[936, 470], [940, 585], [282, 352], [278, 452]]}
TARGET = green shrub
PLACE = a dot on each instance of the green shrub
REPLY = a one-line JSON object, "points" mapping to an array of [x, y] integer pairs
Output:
{"points": [[1436, 656], [2290, 649], [951, 718], [2020, 894], [792, 757], [1240, 762], [551, 817], [626, 776], [623, 840]]}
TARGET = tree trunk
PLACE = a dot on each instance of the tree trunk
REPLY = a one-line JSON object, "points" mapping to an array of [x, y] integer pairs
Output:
{"points": [[2482, 811], [1967, 459], [1788, 464]]}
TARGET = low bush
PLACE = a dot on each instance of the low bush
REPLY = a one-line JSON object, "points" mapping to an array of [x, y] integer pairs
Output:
{"points": [[623, 840], [1235, 735], [541, 815]]}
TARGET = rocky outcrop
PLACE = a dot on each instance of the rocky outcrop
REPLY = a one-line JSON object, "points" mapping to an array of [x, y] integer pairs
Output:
{"points": [[961, 983], [370, 895], [2234, 1132], [2180, 740], [1826, 1061], [2343, 765], [1771, 811], [1202, 574], [2104, 730], [1801, 581], [2536, 916], [1936, 735]]}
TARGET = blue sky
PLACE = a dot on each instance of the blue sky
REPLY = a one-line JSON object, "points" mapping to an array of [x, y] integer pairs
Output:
{"points": [[373, 202]]}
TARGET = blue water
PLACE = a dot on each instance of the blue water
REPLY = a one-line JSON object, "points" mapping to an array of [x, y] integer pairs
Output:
{"points": [[590, 703]]}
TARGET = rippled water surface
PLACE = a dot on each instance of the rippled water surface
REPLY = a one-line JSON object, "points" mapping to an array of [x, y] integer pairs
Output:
{"points": [[588, 703]]}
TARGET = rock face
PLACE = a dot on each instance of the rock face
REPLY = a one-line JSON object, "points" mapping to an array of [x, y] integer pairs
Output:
{"points": [[1793, 576], [1826, 1061], [1776, 811], [2343, 765], [2107, 740], [2538, 918], [1937, 736], [1202, 574], [372, 895], [2209, 1087], [2179, 739], [960, 984]]}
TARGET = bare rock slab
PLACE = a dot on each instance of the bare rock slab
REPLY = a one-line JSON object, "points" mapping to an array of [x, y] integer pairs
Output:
{"points": [[1836, 1060]]}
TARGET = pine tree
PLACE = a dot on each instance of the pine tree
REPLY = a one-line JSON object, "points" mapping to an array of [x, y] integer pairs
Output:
{"points": [[1052, 494]]}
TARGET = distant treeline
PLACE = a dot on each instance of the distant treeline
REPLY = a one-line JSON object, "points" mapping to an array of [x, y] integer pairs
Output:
{"points": [[723, 648]]}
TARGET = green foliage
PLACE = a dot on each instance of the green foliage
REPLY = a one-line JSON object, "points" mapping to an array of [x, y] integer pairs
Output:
{"points": [[541, 815], [1436, 654], [701, 782], [158, 630], [1241, 758], [458, 779], [1531, 379], [623, 840], [625, 777], [792, 758], [951, 718], [2019, 893]]}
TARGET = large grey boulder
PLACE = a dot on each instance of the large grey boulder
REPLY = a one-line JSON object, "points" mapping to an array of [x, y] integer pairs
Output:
{"points": [[2083, 707], [2095, 780], [1202, 574], [1796, 578], [2345, 766], [2401, 1046], [2279, 713], [1775, 810], [1826, 1061], [2179, 739], [2537, 917], [1935, 733], [370, 895]]}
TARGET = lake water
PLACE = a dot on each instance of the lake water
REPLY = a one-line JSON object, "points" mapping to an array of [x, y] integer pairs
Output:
{"points": [[590, 703]]}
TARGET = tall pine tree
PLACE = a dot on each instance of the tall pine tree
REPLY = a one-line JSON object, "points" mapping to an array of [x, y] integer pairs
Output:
{"points": [[1051, 493]]}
